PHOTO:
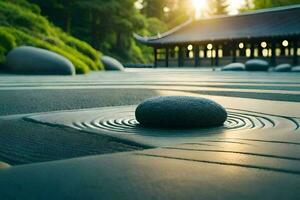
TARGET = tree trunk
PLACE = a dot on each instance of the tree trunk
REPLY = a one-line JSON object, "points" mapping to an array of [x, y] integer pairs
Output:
{"points": [[68, 22], [94, 29]]}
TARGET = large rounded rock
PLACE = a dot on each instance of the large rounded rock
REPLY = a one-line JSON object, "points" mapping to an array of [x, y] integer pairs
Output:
{"points": [[296, 69], [36, 61], [256, 65], [234, 67], [180, 112], [111, 64], [4, 165], [283, 68]]}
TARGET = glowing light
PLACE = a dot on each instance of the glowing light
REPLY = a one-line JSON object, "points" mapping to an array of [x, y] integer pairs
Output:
{"points": [[241, 45], [277, 52], [209, 46], [199, 6], [220, 52], [201, 54], [265, 52], [235, 6], [263, 44], [190, 47], [248, 53], [285, 43], [166, 9]]}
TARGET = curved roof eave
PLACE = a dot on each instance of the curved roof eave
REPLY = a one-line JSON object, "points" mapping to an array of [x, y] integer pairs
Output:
{"points": [[156, 40], [148, 39]]}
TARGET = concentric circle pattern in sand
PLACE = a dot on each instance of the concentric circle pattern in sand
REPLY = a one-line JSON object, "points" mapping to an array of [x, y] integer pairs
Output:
{"points": [[122, 120]]}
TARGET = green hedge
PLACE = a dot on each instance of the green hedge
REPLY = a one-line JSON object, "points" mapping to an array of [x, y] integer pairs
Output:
{"points": [[21, 24]]}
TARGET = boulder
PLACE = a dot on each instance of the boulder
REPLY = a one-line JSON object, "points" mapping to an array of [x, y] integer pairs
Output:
{"points": [[283, 68], [4, 165], [296, 69], [111, 64], [36, 61], [234, 67], [180, 112], [256, 65]]}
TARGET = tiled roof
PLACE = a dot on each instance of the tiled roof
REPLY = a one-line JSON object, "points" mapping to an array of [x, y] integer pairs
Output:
{"points": [[276, 22]]}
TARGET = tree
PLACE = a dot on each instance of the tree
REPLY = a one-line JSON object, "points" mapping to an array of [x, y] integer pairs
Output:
{"points": [[218, 7], [106, 25], [259, 4], [60, 11]]}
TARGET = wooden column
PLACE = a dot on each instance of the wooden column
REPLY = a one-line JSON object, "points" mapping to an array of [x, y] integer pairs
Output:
{"points": [[260, 49], [233, 47], [243, 50], [211, 57], [180, 57], [167, 57], [295, 57], [196, 55], [155, 57], [282, 50], [273, 49], [217, 56], [252, 50]]}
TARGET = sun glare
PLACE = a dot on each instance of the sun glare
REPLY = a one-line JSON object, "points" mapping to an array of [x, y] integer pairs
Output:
{"points": [[199, 6]]}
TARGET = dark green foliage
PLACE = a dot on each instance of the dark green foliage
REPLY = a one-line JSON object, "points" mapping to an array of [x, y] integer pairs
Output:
{"points": [[273, 3], [106, 25], [21, 24], [7, 42]]}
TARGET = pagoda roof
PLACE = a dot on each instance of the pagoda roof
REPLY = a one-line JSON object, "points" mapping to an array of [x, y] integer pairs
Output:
{"points": [[265, 23]]}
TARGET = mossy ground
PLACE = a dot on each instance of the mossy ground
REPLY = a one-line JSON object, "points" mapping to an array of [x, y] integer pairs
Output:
{"points": [[21, 24]]}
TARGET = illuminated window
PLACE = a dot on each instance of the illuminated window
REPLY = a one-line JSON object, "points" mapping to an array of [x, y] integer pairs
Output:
{"points": [[241, 45], [248, 53], [220, 52], [270, 52], [213, 53], [298, 51], [201, 54], [191, 54], [263, 44], [190, 47], [265, 52], [278, 52], [209, 54], [209, 46], [285, 43], [286, 52]]}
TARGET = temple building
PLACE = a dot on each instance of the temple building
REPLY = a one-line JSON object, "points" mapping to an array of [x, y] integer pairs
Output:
{"points": [[269, 34]]}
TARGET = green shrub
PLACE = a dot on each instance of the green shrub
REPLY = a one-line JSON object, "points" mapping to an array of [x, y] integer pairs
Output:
{"points": [[2, 55], [7, 41], [21, 25]]}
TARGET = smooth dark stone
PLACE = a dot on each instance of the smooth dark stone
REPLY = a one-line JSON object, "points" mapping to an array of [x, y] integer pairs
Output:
{"points": [[283, 68], [296, 69], [36, 61], [256, 65], [111, 64], [234, 67], [180, 111]]}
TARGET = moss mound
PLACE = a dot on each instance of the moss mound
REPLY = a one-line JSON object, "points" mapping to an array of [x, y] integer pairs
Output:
{"points": [[21, 24]]}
